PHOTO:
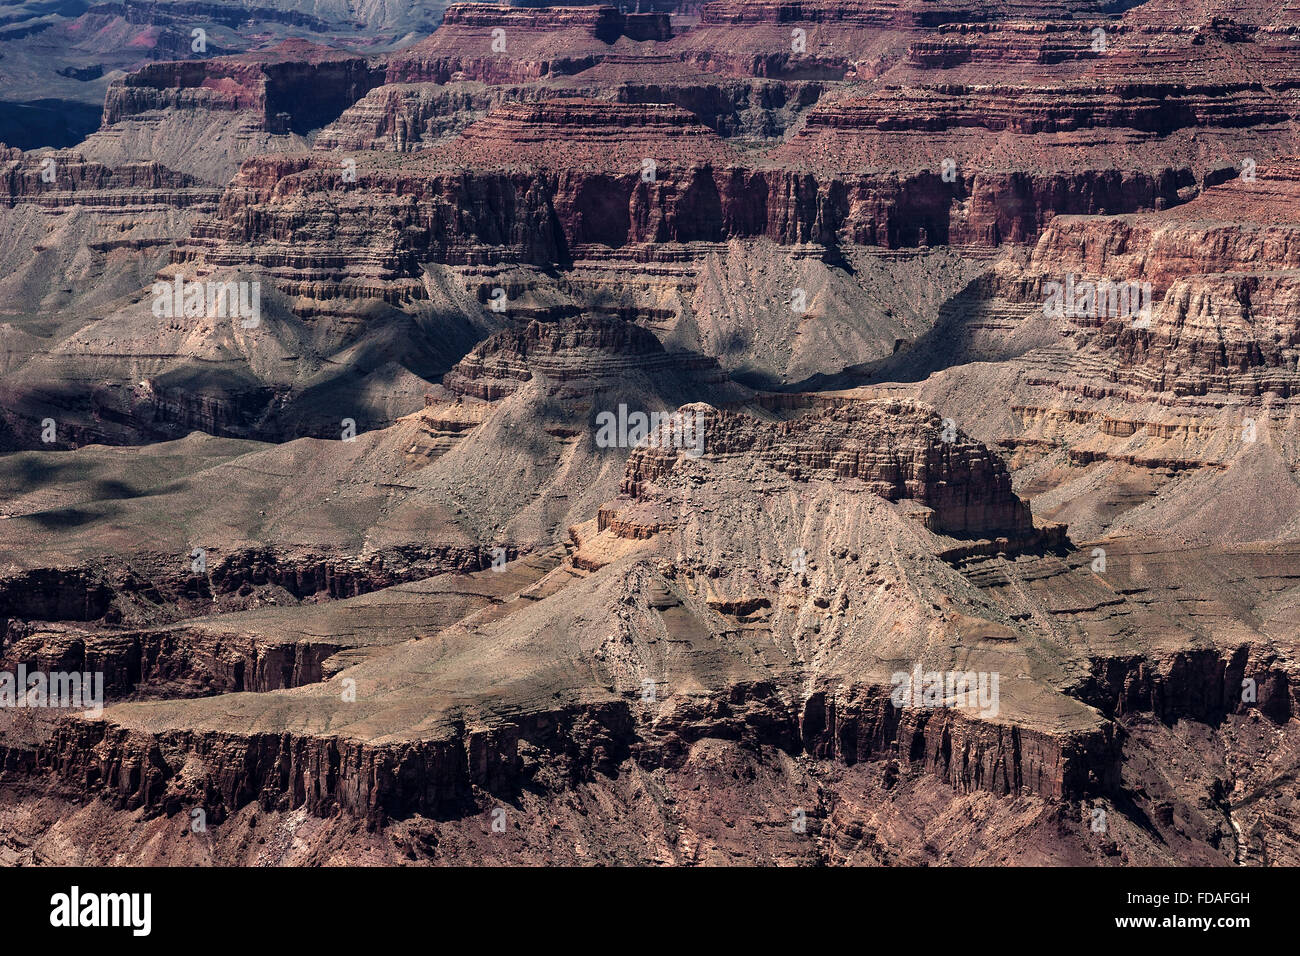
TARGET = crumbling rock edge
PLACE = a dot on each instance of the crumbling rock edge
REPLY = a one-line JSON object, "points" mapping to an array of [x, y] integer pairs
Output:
{"points": [[451, 777]]}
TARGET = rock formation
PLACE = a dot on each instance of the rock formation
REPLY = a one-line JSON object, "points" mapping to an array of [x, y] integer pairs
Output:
{"points": [[653, 424]]}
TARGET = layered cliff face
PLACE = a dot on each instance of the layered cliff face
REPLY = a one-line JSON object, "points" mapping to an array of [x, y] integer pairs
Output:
{"points": [[294, 87], [224, 518], [899, 450], [204, 116], [574, 359], [914, 151], [657, 427], [58, 179], [408, 116], [1168, 372], [541, 183], [78, 235], [502, 44], [58, 60], [742, 652]]}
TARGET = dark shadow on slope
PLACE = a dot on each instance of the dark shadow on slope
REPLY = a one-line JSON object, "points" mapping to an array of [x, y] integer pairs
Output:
{"points": [[56, 123], [946, 345], [62, 519]]}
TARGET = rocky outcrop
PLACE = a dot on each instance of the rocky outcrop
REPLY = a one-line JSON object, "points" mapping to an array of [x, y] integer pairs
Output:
{"points": [[1209, 324], [535, 183], [1205, 686], [222, 772], [294, 87], [969, 755], [327, 775], [408, 116], [117, 592], [597, 133], [173, 662], [169, 771], [573, 357], [492, 43], [899, 449], [56, 180], [573, 210]]}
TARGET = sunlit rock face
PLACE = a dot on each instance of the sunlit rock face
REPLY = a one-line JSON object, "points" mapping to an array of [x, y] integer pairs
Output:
{"points": [[654, 422]]}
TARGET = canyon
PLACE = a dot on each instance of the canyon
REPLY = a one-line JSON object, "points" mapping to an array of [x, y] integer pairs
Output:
{"points": [[367, 586]]}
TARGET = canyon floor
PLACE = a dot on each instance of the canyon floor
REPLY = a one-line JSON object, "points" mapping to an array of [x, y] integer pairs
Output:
{"points": [[776, 433]]}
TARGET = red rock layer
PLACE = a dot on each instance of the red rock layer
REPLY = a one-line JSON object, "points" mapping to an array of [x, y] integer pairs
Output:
{"points": [[294, 87], [1225, 277], [577, 133], [535, 43], [444, 775], [79, 182], [535, 182]]}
